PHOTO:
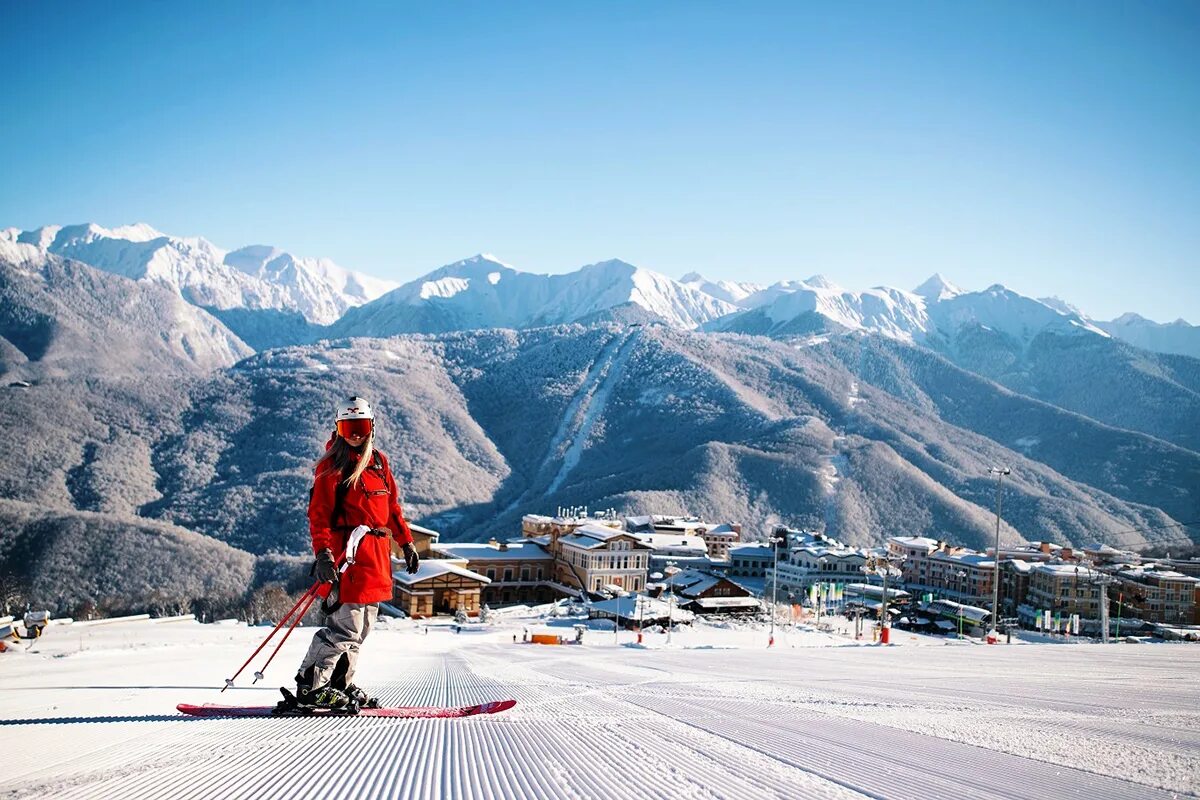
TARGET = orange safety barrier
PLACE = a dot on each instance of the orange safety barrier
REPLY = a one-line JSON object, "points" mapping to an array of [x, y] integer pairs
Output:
{"points": [[545, 638]]}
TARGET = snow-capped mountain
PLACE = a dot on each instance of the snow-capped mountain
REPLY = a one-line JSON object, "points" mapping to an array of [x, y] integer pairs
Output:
{"points": [[937, 288], [729, 291], [1178, 337], [1001, 310], [812, 304], [935, 312], [483, 292], [255, 278]]}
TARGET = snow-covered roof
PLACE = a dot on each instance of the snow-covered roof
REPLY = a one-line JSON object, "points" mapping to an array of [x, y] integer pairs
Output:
{"points": [[871, 590], [633, 606], [424, 531], [751, 550], [826, 551], [485, 551], [673, 542], [951, 608], [590, 537], [969, 559], [597, 531], [1017, 565], [726, 602], [1144, 571], [916, 541], [1064, 569], [432, 568], [692, 581]]}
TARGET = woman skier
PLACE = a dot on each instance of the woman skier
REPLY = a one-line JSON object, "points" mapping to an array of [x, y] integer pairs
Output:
{"points": [[353, 511]]}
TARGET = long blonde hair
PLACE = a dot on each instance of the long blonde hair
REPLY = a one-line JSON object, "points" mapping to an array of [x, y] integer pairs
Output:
{"points": [[340, 458]]}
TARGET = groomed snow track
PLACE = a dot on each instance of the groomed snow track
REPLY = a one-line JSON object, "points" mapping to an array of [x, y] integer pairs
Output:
{"points": [[601, 721]]}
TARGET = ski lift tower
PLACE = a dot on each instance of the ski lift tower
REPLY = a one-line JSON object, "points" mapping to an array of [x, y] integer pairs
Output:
{"points": [[884, 566]]}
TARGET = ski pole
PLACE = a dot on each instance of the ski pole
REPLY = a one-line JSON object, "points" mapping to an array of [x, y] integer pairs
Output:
{"points": [[311, 599], [311, 592], [346, 562]]}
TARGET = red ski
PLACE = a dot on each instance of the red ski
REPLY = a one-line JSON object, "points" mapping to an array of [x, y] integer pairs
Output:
{"points": [[404, 712]]}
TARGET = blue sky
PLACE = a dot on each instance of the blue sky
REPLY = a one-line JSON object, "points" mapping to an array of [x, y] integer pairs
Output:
{"points": [[1049, 146]]}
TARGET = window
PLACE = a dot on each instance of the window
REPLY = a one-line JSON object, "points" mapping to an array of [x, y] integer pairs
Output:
{"points": [[508, 573], [525, 573], [491, 573]]}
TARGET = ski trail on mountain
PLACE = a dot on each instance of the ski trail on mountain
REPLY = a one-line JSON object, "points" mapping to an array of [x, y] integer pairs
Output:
{"points": [[836, 464], [580, 416], [590, 407]]}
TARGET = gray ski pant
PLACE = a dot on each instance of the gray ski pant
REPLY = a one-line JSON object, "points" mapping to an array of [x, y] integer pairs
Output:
{"points": [[344, 632]]}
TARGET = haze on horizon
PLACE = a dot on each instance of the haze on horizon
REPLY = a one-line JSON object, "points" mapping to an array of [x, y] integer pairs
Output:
{"points": [[1051, 149]]}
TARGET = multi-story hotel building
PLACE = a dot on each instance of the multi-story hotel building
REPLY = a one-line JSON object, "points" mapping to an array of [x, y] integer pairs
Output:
{"points": [[935, 567], [1154, 594], [1064, 590], [593, 557], [717, 539], [519, 572]]}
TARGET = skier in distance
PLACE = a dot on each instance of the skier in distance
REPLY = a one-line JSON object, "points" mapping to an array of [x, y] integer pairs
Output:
{"points": [[353, 490]]}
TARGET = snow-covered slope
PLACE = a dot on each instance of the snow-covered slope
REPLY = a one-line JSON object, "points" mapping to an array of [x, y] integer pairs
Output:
{"points": [[64, 318], [1178, 337], [90, 713], [483, 292], [256, 278], [17, 253]]}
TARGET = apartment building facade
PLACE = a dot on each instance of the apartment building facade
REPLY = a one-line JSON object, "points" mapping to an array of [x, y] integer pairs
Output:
{"points": [[1158, 594], [934, 567]]}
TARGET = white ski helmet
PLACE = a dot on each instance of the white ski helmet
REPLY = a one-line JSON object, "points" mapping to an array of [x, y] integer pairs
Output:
{"points": [[355, 408]]}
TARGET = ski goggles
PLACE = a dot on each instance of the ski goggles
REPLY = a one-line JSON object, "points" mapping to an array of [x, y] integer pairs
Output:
{"points": [[347, 428]]}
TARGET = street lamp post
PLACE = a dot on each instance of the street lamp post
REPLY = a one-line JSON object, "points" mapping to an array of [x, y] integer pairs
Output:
{"points": [[617, 622], [641, 615], [670, 571], [774, 585], [821, 562], [961, 575], [999, 472]]}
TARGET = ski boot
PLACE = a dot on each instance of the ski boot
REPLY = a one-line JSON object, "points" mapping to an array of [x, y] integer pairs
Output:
{"points": [[309, 702], [327, 698], [359, 697]]}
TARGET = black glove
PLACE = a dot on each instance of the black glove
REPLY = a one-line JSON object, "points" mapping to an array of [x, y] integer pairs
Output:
{"points": [[325, 569], [411, 561]]}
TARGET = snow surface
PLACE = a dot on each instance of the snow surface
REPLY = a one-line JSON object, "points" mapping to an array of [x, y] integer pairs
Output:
{"points": [[90, 713]]}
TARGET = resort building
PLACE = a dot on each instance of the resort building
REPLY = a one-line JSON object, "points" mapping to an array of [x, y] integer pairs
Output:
{"points": [[518, 572], [1156, 594]]}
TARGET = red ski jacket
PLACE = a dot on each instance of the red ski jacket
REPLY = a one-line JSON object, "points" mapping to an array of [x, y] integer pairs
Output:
{"points": [[373, 501]]}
